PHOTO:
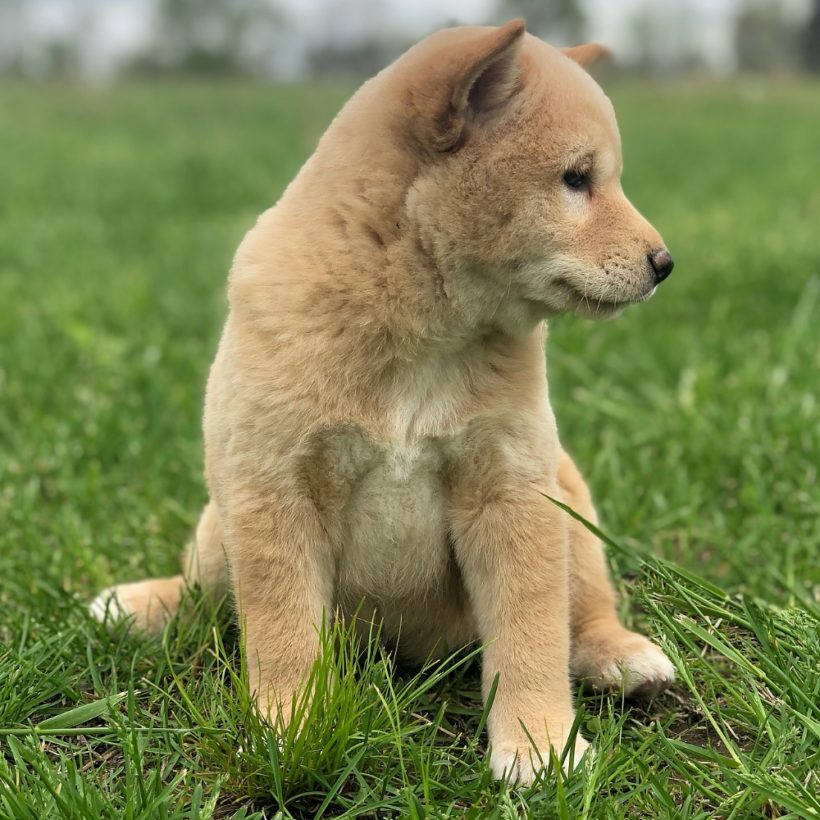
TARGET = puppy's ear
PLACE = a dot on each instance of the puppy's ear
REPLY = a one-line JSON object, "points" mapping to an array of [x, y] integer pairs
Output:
{"points": [[490, 70], [588, 54], [484, 74]]}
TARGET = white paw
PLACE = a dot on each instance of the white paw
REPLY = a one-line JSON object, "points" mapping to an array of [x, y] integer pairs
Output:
{"points": [[521, 765], [645, 673], [109, 607]]}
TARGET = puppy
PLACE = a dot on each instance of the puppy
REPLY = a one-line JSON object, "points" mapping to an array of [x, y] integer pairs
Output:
{"points": [[377, 422]]}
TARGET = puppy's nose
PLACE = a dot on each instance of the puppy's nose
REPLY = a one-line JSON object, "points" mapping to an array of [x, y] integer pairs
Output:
{"points": [[662, 263]]}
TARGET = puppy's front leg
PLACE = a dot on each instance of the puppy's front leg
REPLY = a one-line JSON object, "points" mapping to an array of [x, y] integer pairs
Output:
{"points": [[512, 547], [282, 572]]}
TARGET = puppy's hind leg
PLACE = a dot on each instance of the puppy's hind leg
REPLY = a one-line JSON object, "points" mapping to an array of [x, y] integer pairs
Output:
{"points": [[604, 654], [151, 603]]}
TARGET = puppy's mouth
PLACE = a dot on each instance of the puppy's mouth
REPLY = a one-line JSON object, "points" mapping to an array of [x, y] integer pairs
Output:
{"points": [[591, 307]]}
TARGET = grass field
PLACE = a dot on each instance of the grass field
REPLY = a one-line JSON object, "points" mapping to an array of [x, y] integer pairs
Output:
{"points": [[695, 419]]}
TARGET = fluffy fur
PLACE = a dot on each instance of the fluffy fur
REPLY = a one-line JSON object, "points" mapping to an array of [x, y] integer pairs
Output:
{"points": [[377, 423]]}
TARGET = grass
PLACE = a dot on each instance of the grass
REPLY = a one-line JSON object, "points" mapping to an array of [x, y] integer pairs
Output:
{"points": [[694, 417]]}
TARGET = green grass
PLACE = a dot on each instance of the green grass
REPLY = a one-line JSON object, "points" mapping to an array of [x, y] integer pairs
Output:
{"points": [[694, 417]]}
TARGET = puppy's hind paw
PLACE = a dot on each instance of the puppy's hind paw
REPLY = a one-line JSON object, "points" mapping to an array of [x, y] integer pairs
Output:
{"points": [[621, 661], [647, 673]]}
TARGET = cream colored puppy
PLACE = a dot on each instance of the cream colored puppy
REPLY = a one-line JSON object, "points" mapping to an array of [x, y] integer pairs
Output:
{"points": [[377, 422]]}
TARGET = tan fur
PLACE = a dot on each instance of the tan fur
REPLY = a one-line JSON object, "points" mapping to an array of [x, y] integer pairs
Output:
{"points": [[377, 421]]}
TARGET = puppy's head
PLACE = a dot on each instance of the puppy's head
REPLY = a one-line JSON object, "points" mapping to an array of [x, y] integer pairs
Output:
{"points": [[520, 180]]}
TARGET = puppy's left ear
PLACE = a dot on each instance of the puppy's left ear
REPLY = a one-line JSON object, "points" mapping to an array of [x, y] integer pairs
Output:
{"points": [[588, 54], [485, 74]]}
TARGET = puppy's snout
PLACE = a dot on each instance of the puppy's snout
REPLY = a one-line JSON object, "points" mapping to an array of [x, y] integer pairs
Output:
{"points": [[662, 263]]}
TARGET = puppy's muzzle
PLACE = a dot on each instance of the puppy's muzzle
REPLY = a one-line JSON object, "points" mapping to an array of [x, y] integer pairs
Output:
{"points": [[661, 262]]}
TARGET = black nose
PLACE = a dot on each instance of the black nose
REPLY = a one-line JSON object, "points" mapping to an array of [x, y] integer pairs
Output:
{"points": [[662, 263]]}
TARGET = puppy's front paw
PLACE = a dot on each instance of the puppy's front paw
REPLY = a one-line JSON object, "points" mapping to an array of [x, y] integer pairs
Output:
{"points": [[609, 657], [519, 763]]}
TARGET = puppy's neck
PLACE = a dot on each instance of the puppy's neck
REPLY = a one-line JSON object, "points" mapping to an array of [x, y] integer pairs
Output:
{"points": [[344, 257]]}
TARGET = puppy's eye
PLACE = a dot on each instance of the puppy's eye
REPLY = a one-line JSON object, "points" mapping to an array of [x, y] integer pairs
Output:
{"points": [[577, 180]]}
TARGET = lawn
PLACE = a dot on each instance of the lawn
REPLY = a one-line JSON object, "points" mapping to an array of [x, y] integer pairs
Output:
{"points": [[695, 418]]}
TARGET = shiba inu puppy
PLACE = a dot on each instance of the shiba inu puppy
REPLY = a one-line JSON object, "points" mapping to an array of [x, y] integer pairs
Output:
{"points": [[377, 423]]}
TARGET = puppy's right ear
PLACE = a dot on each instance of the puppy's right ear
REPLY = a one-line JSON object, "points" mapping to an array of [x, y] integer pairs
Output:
{"points": [[481, 72]]}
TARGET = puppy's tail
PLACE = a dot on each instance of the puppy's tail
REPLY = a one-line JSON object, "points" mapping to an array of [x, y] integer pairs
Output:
{"points": [[151, 603]]}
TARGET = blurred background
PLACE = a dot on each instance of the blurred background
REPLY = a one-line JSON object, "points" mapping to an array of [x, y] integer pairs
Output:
{"points": [[102, 41]]}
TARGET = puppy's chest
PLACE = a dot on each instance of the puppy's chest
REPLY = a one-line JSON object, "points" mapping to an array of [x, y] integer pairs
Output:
{"points": [[392, 522]]}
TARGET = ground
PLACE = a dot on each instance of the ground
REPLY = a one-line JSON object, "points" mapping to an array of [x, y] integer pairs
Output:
{"points": [[694, 417]]}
